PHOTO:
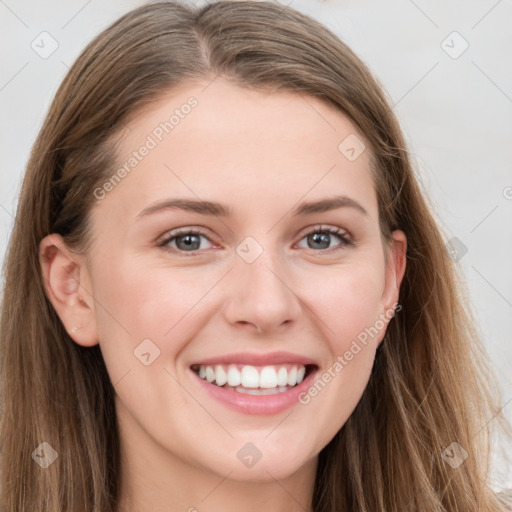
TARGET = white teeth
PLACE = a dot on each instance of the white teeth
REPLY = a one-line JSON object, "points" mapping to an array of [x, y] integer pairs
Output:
{"points": [[272, 391], [210, 374], [250, 377], [269, 377], [234, 377], [220, 376], [292, 376], [282, 376]]}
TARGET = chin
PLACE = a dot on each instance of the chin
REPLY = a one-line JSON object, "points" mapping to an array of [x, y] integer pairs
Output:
{"points": [[262, 461]]}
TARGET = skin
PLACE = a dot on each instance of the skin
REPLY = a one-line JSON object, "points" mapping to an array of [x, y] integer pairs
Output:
{"points": [[260, 154]]}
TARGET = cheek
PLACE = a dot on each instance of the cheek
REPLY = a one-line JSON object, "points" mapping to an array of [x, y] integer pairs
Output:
{"points": [[147, 302], [349, 308], [146, 318], [349, 303]]}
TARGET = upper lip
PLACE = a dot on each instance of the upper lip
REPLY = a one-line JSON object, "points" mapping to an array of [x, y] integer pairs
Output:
{"points": [[255, 359]]}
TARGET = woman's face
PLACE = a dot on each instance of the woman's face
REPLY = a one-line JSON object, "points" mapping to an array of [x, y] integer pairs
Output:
{"points": [[257, 292]]}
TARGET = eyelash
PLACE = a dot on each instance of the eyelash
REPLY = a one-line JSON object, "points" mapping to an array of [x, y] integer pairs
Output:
{"points": [[345, 240]]}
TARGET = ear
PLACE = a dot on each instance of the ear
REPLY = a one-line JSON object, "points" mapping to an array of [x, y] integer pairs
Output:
{"points": [[67, 286], [395, 270]]}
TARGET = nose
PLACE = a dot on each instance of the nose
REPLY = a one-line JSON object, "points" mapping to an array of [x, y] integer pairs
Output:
{"points": [[263, 294]]}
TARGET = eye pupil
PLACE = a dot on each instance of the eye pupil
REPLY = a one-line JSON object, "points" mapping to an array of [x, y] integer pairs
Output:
{"points": [[188, 241], [322, 238]]}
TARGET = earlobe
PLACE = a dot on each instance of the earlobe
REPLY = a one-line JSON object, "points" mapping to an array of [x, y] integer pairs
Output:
{"points": [[63, 274]]}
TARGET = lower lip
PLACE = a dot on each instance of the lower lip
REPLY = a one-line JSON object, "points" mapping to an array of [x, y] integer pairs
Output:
{"points": [[256, 404]]}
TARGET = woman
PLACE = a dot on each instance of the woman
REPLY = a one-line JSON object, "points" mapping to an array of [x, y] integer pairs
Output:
{"points": [[260, 369]]}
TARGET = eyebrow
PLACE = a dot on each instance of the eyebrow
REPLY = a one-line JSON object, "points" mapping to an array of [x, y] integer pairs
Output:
{"points": [[220, 210]]}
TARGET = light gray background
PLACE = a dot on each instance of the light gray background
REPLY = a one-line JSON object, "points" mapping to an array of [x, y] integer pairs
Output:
{"points": [[456, 114]]}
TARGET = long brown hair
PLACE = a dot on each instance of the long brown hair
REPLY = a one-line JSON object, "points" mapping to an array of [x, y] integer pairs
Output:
{"points": [[430, 385]]}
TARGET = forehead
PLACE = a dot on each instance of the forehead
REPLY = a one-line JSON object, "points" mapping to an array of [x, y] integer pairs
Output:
{"points": [[247, 147]]}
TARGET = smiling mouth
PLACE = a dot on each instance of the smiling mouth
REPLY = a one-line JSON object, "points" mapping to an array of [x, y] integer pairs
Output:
{"points": [[254, 380]]}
